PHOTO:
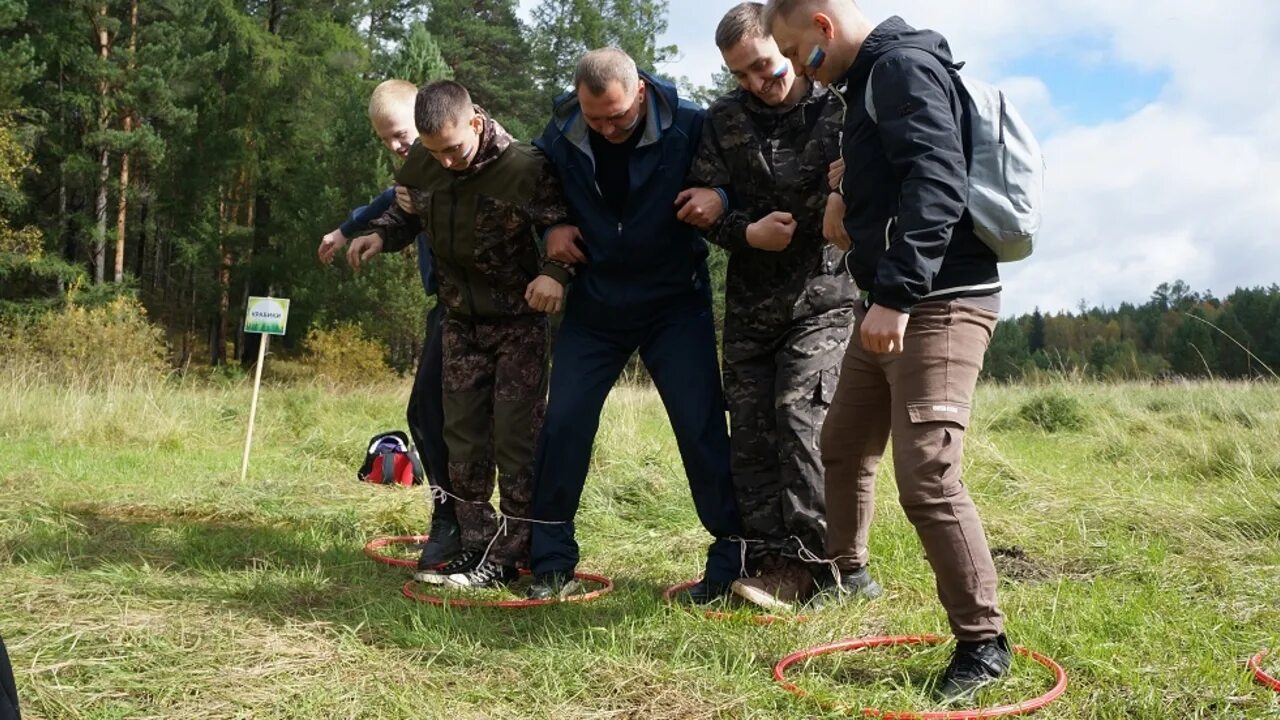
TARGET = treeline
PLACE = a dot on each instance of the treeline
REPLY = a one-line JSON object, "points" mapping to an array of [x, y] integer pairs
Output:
{"points": [[191, 153], [186, 154], [1177, 333]]}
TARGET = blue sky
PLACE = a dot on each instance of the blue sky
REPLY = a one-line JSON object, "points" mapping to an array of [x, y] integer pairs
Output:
{"points": [[1158, 122], [1090, 88]]}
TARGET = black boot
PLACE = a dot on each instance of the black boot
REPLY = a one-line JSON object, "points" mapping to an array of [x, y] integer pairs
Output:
{"points": [[974, 665], [443, 542], [704, 593], [853, 585]]}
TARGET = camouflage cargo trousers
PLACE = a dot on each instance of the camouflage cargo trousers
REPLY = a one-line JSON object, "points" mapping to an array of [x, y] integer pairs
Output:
{"points": [[778, 389], [495, 389]]}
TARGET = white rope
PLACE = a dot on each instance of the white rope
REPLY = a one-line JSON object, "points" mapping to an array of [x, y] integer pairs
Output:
{"points": [[439, 494], [804, 554], [742, 554]]}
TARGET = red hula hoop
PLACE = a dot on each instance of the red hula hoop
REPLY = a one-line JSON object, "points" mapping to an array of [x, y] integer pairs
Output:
{"points": [[668, 597], [605, 583], [1255, 664], [1022, 708], [377, 544]]}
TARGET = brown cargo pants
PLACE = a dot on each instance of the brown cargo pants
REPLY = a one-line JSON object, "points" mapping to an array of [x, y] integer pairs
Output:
{"points": [[922, 398]]}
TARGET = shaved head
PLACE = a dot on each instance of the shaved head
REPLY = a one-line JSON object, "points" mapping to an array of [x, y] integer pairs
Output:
{"points": [[786, 9], [821, 38]]}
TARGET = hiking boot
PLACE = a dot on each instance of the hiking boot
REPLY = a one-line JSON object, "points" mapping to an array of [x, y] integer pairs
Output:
{"points": [[973, 665], [853, 585], [779, 587], [466, 561], [443, 543], [703, 593], [487, 574], [553, 585]]}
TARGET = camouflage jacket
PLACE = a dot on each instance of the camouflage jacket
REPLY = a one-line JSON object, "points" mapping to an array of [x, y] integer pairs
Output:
{"points": [[484, 223], [770, 159]]}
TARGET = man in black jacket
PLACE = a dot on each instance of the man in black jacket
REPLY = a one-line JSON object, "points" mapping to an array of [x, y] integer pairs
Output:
{"points": [[931, 306]]}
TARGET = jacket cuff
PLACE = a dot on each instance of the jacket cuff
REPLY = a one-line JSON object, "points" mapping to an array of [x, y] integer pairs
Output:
{"points": [[730, 231], [558, 271], [894, 298], [724, 200]]}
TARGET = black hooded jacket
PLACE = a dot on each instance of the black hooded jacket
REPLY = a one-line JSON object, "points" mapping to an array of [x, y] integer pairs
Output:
{"points": [[906, 182]]}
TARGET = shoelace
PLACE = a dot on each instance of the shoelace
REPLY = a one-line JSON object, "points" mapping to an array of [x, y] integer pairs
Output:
{"points": [[458, 564]]}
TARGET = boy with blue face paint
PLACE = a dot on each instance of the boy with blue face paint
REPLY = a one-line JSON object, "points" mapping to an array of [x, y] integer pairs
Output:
{"points": [[932, 300]]}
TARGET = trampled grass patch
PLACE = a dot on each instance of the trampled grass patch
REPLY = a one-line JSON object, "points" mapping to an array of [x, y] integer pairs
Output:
{"points": [[1139, 547]]}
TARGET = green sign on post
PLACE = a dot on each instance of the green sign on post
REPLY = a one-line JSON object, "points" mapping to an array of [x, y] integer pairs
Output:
{"points": [[266, 315]]}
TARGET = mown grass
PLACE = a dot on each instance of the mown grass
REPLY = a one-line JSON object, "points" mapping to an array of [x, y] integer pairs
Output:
{"points": [[1137, 530]]}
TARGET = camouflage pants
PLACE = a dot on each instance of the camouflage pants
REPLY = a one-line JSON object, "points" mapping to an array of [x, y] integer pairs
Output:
{"points": [[778, 389], [495, 389]]}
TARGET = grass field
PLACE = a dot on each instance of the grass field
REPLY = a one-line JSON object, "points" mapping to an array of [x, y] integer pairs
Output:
{"points": [[1136, 528]]}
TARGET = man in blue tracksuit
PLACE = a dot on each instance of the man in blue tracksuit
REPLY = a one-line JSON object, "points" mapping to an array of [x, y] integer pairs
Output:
{"points": [[426, 402], [622, 143], [391, 112]]}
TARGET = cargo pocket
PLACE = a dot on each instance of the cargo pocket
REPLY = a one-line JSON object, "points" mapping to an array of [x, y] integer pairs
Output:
{"points": [[950, 412], [826, 388], [938, 436]]}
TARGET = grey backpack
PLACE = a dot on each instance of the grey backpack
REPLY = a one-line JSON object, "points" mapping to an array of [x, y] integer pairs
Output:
{"points": [[1006, 169]]}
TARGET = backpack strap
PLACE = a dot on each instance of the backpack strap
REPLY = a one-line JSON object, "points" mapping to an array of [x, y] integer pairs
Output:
{"points": [[388, 468], [953, 71], [419, 474], [868, 101]]}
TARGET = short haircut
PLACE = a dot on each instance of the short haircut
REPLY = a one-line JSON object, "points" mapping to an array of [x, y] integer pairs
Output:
{"points": [[745, 21], [388, 95], [783, 9], [441, 104], [598, 68]]}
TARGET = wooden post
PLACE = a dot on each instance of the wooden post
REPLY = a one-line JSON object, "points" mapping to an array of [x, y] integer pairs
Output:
{"points": [[253, 406]]}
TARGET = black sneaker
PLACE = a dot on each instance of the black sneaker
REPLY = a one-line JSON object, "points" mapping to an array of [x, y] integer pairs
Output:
{"points": [[466, 561], [973, 665], [443, 543], [853, 585], [704, 593], [553, 585], [487, 574]]}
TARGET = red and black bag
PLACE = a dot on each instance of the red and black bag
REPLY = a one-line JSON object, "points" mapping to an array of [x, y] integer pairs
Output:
{"points": [[391, 461]]}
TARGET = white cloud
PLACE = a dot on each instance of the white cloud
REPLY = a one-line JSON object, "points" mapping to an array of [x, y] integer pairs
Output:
{"points": [[1186, 186], [1034, 101]]}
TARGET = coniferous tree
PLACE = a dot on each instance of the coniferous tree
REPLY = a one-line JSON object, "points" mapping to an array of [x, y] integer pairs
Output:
{"points": [[484, 44]]}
